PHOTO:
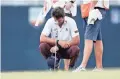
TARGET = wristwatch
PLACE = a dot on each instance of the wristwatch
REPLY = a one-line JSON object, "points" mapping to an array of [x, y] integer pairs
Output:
{"points": [[58, 44]]}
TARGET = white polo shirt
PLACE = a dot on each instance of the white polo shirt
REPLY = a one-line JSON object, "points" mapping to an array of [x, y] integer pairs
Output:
{"points": [[66, 32]]}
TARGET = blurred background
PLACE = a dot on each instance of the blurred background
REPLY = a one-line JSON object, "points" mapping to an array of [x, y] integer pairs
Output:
{"points": [[20, 39]]}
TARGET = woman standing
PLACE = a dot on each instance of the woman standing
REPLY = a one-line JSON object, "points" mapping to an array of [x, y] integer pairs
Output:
{"points": [[93, 36]]}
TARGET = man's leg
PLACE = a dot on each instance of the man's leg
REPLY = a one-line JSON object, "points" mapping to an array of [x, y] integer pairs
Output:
{"points": [[98, 47], [73, 53], [45, 50], [66, 64]]}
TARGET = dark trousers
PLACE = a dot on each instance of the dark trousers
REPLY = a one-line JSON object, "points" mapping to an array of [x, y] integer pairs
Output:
{"points": [[69, 53]]}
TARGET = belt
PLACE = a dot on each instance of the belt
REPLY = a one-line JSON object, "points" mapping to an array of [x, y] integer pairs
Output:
{"points": [[99, 8]]}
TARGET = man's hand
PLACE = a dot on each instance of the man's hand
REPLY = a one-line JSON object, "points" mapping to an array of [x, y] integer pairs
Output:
{"points": [[54, 49], [64, 44]]}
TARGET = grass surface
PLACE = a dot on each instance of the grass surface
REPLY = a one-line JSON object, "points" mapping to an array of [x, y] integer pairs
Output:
{"points": [[107, 74]]}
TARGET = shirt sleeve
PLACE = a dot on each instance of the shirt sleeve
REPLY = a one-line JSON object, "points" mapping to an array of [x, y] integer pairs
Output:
{"points": [[73, 28], [47, 28]]}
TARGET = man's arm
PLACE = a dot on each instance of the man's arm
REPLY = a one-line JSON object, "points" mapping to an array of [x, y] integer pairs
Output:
{"points": [[46, 39], [65, 44], [75, 41], [75, 36], [74, 33]]}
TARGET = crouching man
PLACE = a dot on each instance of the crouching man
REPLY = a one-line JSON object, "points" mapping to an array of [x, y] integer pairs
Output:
{"points": [[59, 40]]}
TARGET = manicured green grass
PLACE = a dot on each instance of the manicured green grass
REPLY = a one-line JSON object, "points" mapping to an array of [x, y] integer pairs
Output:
{"points": [[107, 74]]}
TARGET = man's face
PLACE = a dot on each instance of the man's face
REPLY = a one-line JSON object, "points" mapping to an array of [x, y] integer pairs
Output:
{"points": [[60, 20]]}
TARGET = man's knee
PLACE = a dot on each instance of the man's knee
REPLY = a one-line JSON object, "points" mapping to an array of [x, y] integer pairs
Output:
{"points": [[75, 50], [45, 49], [43, 46]]}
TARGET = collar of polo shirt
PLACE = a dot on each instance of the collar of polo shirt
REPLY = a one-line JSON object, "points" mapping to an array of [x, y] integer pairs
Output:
{"points": [[65, 21]]}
